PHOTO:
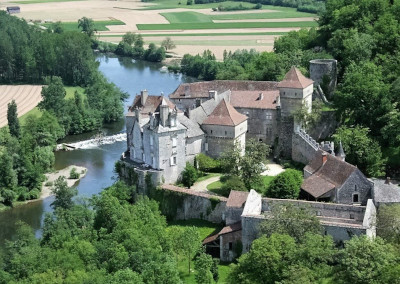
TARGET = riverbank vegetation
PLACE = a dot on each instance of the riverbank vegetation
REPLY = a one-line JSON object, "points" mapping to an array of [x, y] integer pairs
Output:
{"points": [[54, 58]]}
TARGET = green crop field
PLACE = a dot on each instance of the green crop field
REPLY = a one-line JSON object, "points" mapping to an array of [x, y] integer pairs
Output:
{"points": [[204, 34], [241, 25], [186, 17], [42, 1], [250, 42], [100, 25]]}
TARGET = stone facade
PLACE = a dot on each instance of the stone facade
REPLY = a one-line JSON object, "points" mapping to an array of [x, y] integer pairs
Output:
{"points": [[324, 67]]}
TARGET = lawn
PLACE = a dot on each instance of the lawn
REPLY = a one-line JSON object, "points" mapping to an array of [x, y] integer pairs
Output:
{"points": [[205, 229], [250, 42], [241, 25], [71, 91], [216, 187], [99, 25]]}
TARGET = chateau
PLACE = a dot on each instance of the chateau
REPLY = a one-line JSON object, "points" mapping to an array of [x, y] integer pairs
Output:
{"points": [[209, 117]]}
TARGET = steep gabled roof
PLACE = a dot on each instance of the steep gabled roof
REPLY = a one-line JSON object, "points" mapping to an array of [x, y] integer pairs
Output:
{"points": [[333, 173], [295, 79], [152, 104], [225, 114]]}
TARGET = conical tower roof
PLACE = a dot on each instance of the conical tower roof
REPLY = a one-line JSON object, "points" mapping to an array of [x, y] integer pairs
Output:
{"points": [[225, 114], [295, 79], [340, 153]]}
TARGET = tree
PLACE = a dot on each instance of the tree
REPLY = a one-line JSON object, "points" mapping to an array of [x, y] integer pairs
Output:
{"points": [[53, 96], [295, 221], [286, 185], [388, 223], [63, 194], [189, 175], [189, 241], [203, 265], [129, 38], [87, 25], [57, 27], [361, 150], [366, 260], [12, 118], [168, 44]]}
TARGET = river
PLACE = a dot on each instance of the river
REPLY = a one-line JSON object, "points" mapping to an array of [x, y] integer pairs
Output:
{"points": [[131, 77]]}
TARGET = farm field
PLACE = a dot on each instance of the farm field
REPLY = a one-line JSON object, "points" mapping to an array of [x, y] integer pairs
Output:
{"points": [[162, 18], [26, 97]]}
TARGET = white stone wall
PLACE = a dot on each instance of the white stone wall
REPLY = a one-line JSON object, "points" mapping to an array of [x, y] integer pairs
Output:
{"points": [[136, 147], [293, 99], [194, 146]]}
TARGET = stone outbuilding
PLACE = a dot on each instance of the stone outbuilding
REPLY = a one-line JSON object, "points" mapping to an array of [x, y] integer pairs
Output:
{"points": [[385, 192], [330, 178]]}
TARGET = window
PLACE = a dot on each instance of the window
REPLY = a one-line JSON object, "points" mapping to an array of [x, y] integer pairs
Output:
{"points": [[174, 142], [230, 245], [153, 162], [268, 116], [151, 140], [226, 132], [355, 198], [143, 157], [260, 140], [211, 131], [173, 161], [351, 216]]}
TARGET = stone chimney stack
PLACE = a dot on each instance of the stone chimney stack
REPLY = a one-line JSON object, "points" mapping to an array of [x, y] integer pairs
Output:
{"points": [[143, 96], [324, 157], [260, 96], [164, 112], [212, 94], [137, 114], [172, 117], [387, 181]]}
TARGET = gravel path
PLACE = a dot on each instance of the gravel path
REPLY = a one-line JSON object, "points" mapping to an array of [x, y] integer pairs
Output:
{"points": [[202, 185]]}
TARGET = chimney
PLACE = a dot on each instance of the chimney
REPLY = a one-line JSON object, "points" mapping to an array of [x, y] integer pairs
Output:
{"points": [[164, 111], [324, 157], [387, 181], [187, 91], [151, 115], [212, 94], [172, 118], [137, 114], [260, 96], [143, 96]]}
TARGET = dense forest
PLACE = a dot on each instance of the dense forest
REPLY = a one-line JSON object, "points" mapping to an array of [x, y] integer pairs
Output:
{"points": [[52, 58], [364, 37], [119, 237]]}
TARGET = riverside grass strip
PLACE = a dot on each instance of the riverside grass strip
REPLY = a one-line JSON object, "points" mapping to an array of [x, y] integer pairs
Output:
{"points": [[241, 25]]}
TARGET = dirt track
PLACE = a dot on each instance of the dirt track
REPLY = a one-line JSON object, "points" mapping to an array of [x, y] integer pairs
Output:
{"points": [[26, 97]]}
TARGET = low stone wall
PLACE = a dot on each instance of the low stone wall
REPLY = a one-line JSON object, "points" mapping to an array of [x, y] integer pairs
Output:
{"points": [[304, 147], [182, 204]]}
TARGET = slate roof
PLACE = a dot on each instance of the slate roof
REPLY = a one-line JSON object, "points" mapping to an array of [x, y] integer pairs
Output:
{"points": [[334, 172], [237, 198], [193, 129], [386, 193], [200, 89], [152, 104], [225, 114], [251, 99], [295, 79]]}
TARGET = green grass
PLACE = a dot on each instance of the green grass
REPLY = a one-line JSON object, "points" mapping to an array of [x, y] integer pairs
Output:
{"points": [[241, 25], [207, 176], [204, 227], [99, 25], [186, 17], [71, 91], [250, 42], [205, 34]]}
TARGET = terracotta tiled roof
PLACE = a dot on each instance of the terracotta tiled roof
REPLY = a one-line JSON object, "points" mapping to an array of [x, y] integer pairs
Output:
{"points": [[225, 114], [237, 198], [294, 79], [152, 104], [200, 89], [225, 230], [253, 99], [333, 172]]}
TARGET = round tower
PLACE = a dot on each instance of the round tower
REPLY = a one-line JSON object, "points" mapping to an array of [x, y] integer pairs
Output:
{"points": [[324, 73]]}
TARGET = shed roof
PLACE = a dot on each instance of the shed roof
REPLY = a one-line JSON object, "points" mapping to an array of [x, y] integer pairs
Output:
{"points": [[295, 79], [225, 114]]}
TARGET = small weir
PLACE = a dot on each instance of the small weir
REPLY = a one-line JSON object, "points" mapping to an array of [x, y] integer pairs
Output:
{"points": [[92, 143]]}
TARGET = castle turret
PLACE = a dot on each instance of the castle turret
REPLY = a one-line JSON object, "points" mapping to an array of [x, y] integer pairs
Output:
{"points": [[340, 154], [164, 112], [295, 91]]}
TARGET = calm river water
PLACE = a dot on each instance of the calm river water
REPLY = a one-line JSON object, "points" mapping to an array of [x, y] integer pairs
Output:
{"points": [[131, 77]]}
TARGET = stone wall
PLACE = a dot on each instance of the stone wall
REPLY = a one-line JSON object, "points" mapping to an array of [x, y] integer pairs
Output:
{"points": [[304, 147], [321, 67], [234, 238], [357, 183], [284, 144], [325, 126], [182, 204]]}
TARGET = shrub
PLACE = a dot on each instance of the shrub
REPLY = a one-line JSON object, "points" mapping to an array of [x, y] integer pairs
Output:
{"points": [[189, 175], [73, 174], [286, 185], [189, 2], [233, 183], [49, 183], [208, 164]]}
